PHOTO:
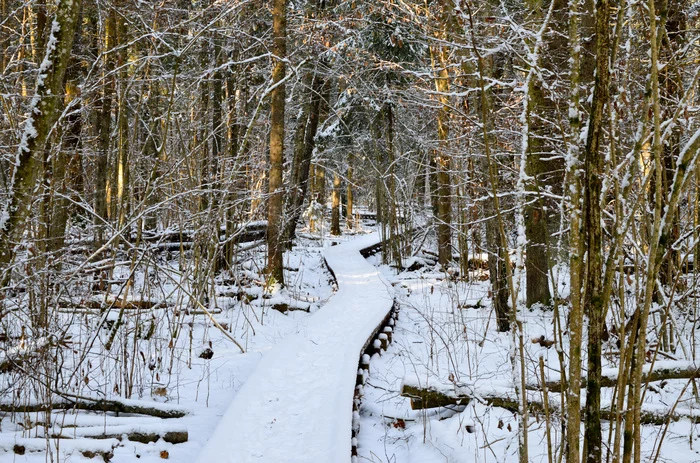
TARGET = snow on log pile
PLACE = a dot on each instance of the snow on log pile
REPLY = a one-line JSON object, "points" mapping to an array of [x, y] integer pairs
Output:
{"points": [[297, 406]]}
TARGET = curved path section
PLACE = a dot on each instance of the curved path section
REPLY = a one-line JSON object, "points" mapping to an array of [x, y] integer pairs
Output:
{"points": [[297, 404]]}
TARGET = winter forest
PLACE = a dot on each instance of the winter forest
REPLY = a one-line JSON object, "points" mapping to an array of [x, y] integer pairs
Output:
{"points": [[356, 231]]}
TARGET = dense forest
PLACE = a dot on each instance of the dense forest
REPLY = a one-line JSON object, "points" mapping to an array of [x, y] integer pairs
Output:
{"points": [[160, 157]]}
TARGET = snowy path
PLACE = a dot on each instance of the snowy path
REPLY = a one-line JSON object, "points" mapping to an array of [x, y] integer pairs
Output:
{"points": [[297, 404]]}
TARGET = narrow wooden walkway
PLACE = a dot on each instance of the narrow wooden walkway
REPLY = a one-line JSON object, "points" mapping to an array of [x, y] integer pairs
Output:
{"points": [[297, 404]]}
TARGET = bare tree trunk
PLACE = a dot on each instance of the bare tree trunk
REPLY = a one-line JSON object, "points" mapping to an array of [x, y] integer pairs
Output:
{"points": [[44, 111], [217, 147], [303, 149], [592, 216], [202, 135], [104, 128], [348, 207], [495, 243], [66, 162], [4, 42], [335, 212], [275, 219], [536, 258], [671, 88], [121, 182], [442, 161], [573, 396]]}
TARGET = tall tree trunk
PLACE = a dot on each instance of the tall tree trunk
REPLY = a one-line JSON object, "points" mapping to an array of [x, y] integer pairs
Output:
{"points": [[495, 244], [275, 219], [660, 233], [573, 396], [442, 161], [304, 142], [66, 168], [217, 127], [348, 207], [4, 42], [217, 147], [671, 89], [43, 113], [66, 162], [202, 136], [391, 251], [592, 216], [104, 127], [237, 177], [335, 211], [37, 38], [121, 182]]}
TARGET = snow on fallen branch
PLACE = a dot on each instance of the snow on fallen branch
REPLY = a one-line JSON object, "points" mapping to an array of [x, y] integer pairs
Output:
{"points": [[663, 370], [143, 433], [67, 401], [446, 395]]}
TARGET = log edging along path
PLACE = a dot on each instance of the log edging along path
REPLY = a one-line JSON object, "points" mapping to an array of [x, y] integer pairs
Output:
{"points": [[297, 406]]}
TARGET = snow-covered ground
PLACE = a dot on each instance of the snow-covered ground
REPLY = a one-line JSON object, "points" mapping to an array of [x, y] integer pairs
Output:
{"points": [[170, 369], [288, 397], [446, 336]]}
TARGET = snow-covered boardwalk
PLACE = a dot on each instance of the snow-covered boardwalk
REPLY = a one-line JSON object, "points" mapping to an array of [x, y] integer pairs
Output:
{"points": [[297, 404]]}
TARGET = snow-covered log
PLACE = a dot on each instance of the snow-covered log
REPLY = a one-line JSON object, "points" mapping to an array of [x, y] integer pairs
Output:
{"points": [[65, 401], [429, 397]]}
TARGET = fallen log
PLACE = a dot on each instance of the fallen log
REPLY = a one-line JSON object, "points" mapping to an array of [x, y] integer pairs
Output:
{"points": [[111, 303], [70, 402], [432, 397], [246, 233], [118, 406], [664, 370], [27, 445], [172, 437]]}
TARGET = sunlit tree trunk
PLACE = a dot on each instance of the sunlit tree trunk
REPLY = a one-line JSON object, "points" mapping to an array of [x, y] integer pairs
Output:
{"points": [[275, 227], [121, 181], [442, 161], [348, 207], [104, 127], [335, 211]]}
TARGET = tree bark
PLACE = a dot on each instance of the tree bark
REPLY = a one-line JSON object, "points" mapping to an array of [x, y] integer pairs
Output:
{"points": [[104, 127], [275, 219], [43, 113], [304, 142], [121, 182], [335, 211], [66, 172], [442, 161], [592, 216], [348, 207]]}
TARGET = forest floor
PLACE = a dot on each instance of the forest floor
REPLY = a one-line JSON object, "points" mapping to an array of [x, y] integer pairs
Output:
{"points": [[184, 363], [445, 337]]}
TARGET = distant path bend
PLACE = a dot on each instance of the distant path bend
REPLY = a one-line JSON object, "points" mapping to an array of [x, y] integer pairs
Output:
{"points": [[297, 404]]}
